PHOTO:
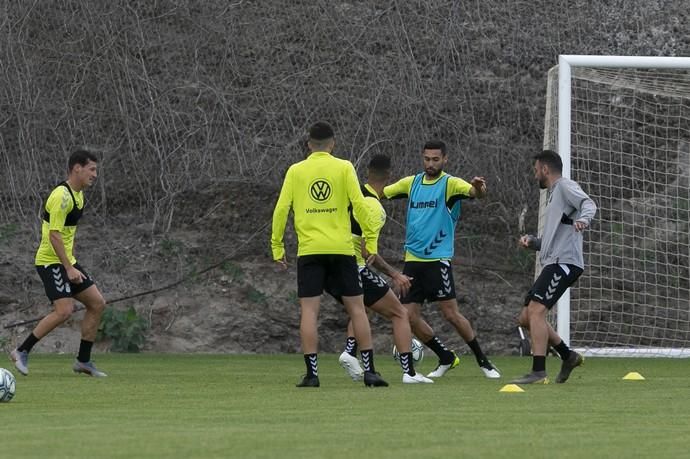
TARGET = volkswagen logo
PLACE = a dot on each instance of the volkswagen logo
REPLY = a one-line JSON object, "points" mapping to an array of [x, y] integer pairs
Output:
{"points": [[320, 190]]}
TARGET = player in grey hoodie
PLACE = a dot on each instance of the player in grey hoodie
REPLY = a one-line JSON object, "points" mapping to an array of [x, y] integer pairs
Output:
{"points": [[569, 211]]}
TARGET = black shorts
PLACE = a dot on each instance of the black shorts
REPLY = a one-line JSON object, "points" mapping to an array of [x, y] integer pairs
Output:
{"points": [[315, 272], [431, 281], [56, 283], [552, 282], [373, 285]]}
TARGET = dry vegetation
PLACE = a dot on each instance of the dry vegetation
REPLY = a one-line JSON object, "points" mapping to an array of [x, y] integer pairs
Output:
{"points": [[199, 107]]}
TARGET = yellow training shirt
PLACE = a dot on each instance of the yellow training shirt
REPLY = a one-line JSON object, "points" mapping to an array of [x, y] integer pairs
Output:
{"points": [[374, 218], [58, 205], [319, 191], [457, 188]]}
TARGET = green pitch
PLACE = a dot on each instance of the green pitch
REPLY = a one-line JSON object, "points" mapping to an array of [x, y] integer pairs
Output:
{"points": [[247, 406]]}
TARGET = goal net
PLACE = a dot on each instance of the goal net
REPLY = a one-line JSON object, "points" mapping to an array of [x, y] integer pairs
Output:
{"points": [[622, 126]]}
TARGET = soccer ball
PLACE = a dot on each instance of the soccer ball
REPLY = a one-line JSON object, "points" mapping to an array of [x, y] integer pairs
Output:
{"points": [[7, 385], [417, 349]]}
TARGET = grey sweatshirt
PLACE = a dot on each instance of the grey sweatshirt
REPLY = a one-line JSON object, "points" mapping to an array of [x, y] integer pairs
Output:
{"points": [[560, 243]]}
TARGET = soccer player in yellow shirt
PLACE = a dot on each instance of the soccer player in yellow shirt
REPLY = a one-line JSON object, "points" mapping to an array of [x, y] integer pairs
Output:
{"points": [[63, 278], [377, 294], [319, 191], [433, 210]]}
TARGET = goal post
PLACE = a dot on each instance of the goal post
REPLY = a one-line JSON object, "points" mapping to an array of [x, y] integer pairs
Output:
{"points": [[621, 124]]}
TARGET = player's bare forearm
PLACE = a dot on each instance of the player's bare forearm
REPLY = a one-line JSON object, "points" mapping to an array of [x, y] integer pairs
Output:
{"points": [[379, 263], [59, 248], [73, 274]]}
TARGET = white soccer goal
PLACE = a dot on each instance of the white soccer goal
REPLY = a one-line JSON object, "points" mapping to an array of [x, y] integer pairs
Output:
{"points": [[622, 126]]}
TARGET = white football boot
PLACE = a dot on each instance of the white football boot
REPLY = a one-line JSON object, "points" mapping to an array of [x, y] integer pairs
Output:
{"points": [[351, 365], [490, 370], [416, 379]]}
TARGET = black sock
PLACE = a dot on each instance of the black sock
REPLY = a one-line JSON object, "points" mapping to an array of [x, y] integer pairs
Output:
{"points": [[312, 363], [563, 350], [351, 346], [539, 363], [85, 351], [478, 354], [444, 355], [28, 343], [406, 363], [368, 359]]}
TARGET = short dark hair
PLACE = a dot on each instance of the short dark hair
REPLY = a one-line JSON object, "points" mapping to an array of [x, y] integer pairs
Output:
{"points": [[551, 159], [379, 166], [321, 131], [435, 145], [81, 157]]}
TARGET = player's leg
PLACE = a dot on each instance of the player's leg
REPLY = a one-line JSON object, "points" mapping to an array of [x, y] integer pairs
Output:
{"points": [[348, 358], [441, 285], [94, 302], [354, 305], [59, 292], [62, 310], [544, 294], [350, 342], [451, 312], [344, 270], [311, 278], [447, 359], [555, 340], [380, 298], [389, 307], [309, 338], [539, 336]]}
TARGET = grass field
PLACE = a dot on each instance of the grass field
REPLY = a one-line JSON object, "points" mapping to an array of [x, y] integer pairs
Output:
{"points": [[247, 406]]}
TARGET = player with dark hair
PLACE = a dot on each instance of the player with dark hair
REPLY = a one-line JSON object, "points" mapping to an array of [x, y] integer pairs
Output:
{"points": [[63, 278], [433, 211], [377, 294], [569, 211], [319, 190]]}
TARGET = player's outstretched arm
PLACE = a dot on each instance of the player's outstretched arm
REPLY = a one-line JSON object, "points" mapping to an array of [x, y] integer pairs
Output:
{"points": [[478, 189], [399, 189]]}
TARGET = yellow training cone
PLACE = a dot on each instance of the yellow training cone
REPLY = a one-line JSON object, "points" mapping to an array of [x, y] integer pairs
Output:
{"points": [[634, 376], [511, 388]]}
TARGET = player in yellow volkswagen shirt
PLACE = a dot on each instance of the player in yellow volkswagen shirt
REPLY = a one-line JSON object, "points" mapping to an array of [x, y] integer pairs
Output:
{"points": [[433, 210], [63, 278], [377, 294], [319, 191]]}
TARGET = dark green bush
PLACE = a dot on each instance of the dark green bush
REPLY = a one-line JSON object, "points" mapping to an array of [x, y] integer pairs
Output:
{"points": [[126, 329]]}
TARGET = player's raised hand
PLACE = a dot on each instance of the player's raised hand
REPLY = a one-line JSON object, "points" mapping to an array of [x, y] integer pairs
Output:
{"points": [[479, 184]]}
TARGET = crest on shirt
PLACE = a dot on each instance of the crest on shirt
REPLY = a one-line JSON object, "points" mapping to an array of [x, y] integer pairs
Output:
{"points": [[320, 190], [65, 200]]}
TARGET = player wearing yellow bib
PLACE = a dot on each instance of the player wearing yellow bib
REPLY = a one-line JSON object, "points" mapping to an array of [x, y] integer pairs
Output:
{"points": [[433, 209], [319, 191], [63, 278], [377, 294]]}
